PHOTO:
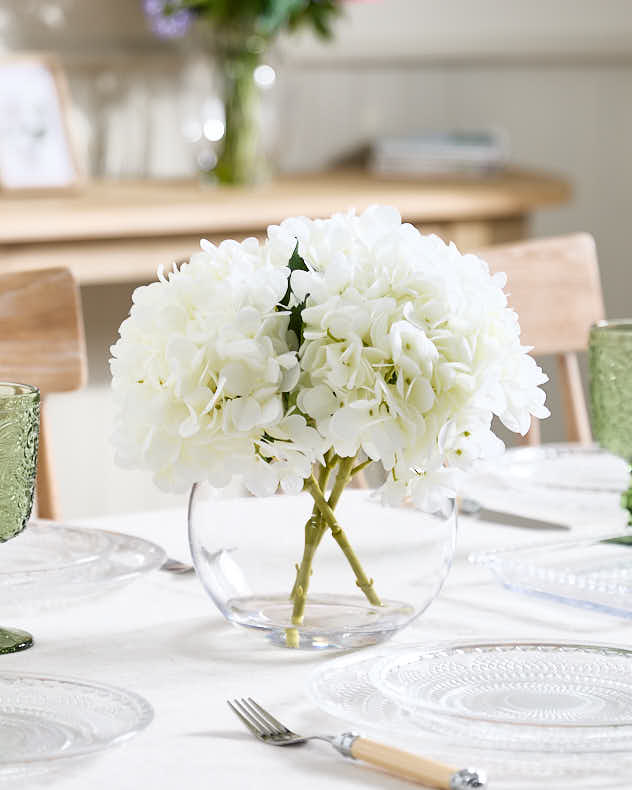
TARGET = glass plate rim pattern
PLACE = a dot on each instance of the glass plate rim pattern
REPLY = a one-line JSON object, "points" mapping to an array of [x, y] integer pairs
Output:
{"points": [[407, 725], [516, 557], [39, 524], [144, 719], [546, 452], [155, 554], [474, 644], [509, 765]]}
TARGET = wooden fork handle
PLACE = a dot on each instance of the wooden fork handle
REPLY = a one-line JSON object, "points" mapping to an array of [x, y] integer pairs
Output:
{"points": [[418, 769]]}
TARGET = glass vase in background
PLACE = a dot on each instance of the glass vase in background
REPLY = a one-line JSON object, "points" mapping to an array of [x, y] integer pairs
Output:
{"points": [[610, 362], [247, 553], [233, 132], [240, 159], [238, 34], [19, 434]]}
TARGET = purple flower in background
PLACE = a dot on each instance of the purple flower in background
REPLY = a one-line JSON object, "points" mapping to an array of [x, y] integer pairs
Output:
{"points": [[166, 19]]}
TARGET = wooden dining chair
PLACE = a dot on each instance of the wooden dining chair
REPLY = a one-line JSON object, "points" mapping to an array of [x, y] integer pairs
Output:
{"points": [[554, 286], [42, 343]]}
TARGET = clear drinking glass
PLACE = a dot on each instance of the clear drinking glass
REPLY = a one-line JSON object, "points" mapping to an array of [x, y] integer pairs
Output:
{"points": [[610, 359], [19, 433]]}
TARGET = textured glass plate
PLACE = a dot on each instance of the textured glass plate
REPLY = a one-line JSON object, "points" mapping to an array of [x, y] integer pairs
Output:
{"points": [[51, 564], [570, 467], [589, 573], [521, 684], [514, 755], [47, 719]]}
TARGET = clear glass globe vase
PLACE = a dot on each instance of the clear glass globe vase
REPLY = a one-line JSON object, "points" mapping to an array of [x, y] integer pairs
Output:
{"points": [[367, 578]]}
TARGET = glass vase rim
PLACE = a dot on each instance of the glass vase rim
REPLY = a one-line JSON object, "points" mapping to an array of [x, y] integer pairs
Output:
{"points": [[447, 496], [612, 324], [20, 390]]}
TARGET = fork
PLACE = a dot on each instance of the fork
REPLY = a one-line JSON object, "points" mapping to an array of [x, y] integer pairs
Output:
{"points": [[430, 773]]}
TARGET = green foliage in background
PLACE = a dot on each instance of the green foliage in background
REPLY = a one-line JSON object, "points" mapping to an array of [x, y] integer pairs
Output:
{"points": [[264, 18]]}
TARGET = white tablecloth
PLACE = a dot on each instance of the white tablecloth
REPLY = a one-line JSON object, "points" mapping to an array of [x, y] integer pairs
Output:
{"points": [[162, 637]]}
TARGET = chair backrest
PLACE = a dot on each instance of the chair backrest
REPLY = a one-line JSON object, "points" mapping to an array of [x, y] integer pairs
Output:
{"points": [[42, 343], [554, 286], [41, 330]]}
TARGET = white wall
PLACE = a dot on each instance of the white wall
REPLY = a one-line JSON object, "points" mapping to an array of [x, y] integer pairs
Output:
{"points": [[481, 29], [449, 29], [556, 74]]}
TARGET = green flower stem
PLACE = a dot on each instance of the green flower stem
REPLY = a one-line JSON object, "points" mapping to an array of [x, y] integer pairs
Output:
{"points": [[301, 585], [315, 528], [314, 531], [360, 467], [342, 478], [362, 580]]}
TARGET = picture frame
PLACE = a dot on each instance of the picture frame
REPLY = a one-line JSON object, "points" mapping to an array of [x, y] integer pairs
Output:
{"points": [[37, 153]]}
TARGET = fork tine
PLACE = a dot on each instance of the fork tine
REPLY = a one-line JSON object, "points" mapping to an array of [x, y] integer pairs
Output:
{"points": [[254, 730], [269, 717], [262, 728], [269, 729]]}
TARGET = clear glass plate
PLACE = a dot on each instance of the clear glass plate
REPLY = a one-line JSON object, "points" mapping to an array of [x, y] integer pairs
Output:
{"points": [[514, 755], [594, 573], [44, 720], [522, 684], [50, 564], [572, 467]]}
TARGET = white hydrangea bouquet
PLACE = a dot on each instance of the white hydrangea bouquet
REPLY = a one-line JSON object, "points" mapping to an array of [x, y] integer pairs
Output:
{"points": [[295, 362]]}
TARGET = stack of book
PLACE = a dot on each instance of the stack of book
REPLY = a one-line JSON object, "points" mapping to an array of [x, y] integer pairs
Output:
{"points": [[439, 153]]}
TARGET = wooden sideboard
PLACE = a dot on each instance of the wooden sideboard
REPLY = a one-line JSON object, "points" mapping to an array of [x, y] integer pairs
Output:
{"points": [[121, 231]]}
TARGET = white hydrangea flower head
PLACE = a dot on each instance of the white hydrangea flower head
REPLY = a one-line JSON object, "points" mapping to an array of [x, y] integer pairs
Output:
{"points": [[409, 348], [200, 371], [398, 345]]}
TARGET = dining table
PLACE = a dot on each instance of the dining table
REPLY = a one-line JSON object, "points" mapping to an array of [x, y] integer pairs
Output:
{"points": [[162, 637]]}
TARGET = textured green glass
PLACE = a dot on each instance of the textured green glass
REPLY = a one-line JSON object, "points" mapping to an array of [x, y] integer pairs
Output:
{"points": [[19, 433], [610, 360]]}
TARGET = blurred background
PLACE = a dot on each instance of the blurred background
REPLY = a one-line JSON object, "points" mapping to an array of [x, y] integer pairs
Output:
{"points": [[541, 85]]}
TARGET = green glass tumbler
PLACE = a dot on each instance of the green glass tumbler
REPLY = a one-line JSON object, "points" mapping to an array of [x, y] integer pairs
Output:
{"points": [[610, 362], [19, 434]]}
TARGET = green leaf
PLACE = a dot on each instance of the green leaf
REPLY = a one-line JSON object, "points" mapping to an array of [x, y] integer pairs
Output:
{"points": [[267, 18], [296, 321], [277, 13], [294, 264]]}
